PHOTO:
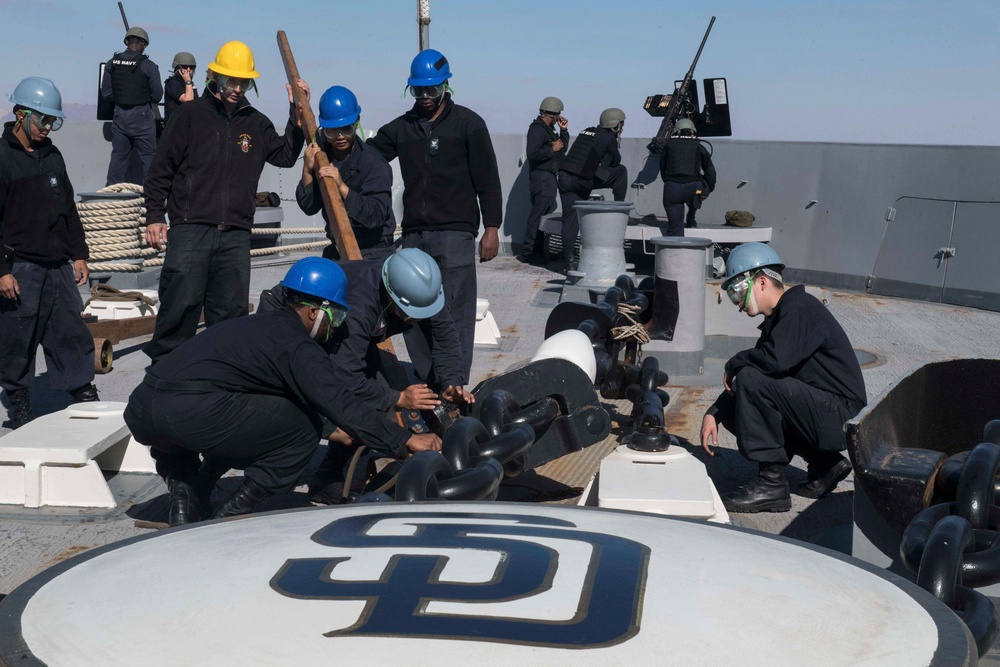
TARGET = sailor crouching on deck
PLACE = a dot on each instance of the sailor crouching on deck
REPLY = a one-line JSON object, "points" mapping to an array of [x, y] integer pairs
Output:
{"points": [[250, 393], [43, 256], [791, 393], [204, 175], [387, 298]]}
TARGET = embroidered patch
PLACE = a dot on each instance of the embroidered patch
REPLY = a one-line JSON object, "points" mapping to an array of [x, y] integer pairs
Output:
{"points": [[245, 143]]}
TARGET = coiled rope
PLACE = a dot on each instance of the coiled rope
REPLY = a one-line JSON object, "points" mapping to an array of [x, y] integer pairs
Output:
{"points": [[632, 330], [116, 230]]}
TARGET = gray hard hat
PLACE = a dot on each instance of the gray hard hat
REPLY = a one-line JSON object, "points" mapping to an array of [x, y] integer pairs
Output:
{"points": [[611, 117], [553, 104], [137, 32], [183, 58], [413, 280], [39, 95], [684, 124]]}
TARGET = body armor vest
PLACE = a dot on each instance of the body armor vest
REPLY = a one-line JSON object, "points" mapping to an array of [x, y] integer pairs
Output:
{"points": [[129, 86], [582, 157], [681, 157]]}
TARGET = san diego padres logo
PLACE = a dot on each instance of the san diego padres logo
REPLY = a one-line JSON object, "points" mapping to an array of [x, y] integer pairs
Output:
{"points": [[512, 578]]}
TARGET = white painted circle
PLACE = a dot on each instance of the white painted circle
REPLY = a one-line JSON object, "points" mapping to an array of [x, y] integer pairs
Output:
{"points": [[96, 408], [472, 583]]}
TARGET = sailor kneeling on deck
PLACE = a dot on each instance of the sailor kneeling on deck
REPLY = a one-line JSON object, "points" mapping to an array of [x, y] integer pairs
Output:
{"points": [[791, 393], [387, 298], [250, 393]]}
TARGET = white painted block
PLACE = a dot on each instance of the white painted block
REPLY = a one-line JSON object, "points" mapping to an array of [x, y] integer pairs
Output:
{"points": [[120, 310], [672, 482], [57, 458], [487, 332]]}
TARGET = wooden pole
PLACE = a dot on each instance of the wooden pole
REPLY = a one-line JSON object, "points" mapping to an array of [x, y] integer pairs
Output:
{"points": [[333, 204]]}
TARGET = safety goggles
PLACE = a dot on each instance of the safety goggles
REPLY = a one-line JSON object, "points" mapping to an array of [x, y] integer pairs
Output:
{"points": [[229, 84], [738, 290], [43, 122], [348, 131], [430, 92], [335, 314]]}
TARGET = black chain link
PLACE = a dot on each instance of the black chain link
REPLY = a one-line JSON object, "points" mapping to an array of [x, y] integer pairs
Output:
{"points": [[953, 545]]}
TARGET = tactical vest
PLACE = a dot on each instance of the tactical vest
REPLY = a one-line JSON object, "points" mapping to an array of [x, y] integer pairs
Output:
{"points": [[129, 85], [681, 157], [582, 157]]}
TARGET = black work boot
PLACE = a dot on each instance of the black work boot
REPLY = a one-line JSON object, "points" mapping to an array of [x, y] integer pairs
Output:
{"points": [[85, 394], [824, 476], [767, 493], [244, 501], [326, 486], [20, 407], [184, 506]]}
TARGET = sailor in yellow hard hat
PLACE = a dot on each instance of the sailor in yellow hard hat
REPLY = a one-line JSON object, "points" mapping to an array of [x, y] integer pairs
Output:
{"points": [[209, 163]]}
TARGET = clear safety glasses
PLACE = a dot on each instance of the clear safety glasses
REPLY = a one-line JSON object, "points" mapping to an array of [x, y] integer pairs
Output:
{"points": [[348, 131], [43, 122], [229, 84], [335, 315], [738, 290], [430, 92]]}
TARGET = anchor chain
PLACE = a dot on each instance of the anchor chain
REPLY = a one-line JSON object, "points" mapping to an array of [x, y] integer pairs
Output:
{"points": [[952, 546], [476, 455]]}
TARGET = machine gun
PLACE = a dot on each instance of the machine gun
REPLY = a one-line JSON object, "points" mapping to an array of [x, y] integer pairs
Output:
{"points": [[713, 121]]}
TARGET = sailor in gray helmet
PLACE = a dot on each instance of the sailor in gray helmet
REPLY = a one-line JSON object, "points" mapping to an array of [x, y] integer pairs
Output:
{"points": [[688, 176], [791, 393], [179, 86], [132, 81], [43, 256], [593, 162], [547, 142]]}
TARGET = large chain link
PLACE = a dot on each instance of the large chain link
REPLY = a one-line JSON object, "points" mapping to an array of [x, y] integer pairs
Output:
{"points": [[953, 545], [476, 455]]}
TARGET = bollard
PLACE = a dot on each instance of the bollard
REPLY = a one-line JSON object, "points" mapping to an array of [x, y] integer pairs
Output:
{"points": [[602, 235], [677, 326]]}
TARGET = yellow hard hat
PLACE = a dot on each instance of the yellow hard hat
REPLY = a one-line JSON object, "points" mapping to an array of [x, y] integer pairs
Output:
{"points": [[234, 59]]}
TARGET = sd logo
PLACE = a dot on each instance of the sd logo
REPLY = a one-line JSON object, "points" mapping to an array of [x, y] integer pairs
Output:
{"points": [[511, 578]]}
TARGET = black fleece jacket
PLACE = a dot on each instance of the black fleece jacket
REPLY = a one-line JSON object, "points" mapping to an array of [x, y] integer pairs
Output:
{"points": [[445, 169], [208, 163], [38, 216], [802, 339]]}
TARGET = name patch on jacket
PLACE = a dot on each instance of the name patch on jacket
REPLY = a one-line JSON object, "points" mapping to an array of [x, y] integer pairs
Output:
{"points": [[244, 142]]}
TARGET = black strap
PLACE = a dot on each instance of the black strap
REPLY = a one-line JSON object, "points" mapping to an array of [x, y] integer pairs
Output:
{"points": [[179, 385]]}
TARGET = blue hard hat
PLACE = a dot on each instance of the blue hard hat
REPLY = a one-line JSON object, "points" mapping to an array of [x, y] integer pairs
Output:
{"points": [[750, 256], [318, 277], [338, 108], [413, 280], [429, 68], [39, 95]]}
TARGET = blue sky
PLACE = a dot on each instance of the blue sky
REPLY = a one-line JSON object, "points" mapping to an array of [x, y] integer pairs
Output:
{"points": [[882, 71]]}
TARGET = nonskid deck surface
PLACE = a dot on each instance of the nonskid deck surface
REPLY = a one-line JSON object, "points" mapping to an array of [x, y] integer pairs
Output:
{"points": [[901, 334]]}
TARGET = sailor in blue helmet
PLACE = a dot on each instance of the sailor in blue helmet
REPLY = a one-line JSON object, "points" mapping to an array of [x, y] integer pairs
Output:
{"points": [[791, 393], [386, 298], [593, 162], [450, 179], [359, 171], [43, 256], [252, 393]]}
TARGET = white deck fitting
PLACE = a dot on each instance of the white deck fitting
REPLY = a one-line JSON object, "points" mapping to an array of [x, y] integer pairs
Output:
{"points": [[487, 332], [516, 584], [57, 459], [716, 233], [120, 310], [672, 482]]}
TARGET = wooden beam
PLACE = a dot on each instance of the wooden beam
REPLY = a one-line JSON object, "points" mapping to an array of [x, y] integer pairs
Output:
{"points": [[333, 204]]}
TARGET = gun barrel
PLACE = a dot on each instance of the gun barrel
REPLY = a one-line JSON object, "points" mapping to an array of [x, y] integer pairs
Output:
{"points": [[124, 20]]}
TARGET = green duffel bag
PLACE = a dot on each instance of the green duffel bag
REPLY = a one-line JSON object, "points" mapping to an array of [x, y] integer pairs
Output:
{"points": [[739, 218]]}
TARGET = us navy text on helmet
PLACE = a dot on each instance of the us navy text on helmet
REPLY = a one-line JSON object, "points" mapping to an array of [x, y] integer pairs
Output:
{"points": [[506, 578]]}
